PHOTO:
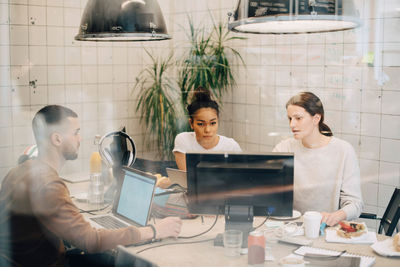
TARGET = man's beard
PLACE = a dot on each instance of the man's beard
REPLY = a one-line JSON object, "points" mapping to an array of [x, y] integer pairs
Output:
{"points": [[69, 153]]}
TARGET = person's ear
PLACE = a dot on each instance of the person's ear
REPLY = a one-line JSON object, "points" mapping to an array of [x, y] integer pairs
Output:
{"points": [[191, 123], [316, 119], [56, 139]]}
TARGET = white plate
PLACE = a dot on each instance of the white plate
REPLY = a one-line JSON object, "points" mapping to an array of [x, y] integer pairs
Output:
{"points": [[385, 248], [367, 238], [296, 215]]}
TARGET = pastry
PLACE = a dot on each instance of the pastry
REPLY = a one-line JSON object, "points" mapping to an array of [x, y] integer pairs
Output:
{"points": [[351, 229], [396, 242]]}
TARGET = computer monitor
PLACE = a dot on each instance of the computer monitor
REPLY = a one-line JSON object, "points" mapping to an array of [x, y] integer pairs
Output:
{"points": [[240, 185]]}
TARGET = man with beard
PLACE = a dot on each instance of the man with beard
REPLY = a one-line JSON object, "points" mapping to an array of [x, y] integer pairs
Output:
{"points": [[36, 211]]}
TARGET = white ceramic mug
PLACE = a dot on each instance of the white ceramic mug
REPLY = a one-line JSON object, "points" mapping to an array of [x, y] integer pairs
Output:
{"points": [[312, 222]]}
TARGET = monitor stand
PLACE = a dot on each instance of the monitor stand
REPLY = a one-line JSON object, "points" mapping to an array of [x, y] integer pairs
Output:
{"points": [[237, 218]]}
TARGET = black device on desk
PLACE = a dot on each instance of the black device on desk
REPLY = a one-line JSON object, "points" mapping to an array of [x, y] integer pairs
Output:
{"points": [[240, 185]]}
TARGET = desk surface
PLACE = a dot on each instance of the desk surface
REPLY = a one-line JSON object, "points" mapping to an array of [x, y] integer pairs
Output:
{"points": [[205, 254]]}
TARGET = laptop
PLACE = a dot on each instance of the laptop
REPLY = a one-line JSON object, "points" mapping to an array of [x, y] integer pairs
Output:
{"points": [[177, 176], [132, 205]]}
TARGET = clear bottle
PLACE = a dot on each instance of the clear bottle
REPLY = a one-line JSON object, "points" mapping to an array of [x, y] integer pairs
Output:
{"points": [[96, 189]]}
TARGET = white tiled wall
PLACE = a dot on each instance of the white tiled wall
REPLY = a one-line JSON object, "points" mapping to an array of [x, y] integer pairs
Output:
{"points": [[96, 80], [41, 63], [361, 100]]}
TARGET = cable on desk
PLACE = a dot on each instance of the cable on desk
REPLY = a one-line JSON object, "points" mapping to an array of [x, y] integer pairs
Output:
{"points": [[172, 189], [176, 243], [169, 192], [206, 231], [90, 211], [268, 216]]}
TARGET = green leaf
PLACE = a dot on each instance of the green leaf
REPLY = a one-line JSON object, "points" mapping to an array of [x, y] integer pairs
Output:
{"points": [[157, 96]]}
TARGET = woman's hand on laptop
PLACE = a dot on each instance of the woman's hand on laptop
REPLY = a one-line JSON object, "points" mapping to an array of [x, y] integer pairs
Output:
{"points": [[168, 227]]}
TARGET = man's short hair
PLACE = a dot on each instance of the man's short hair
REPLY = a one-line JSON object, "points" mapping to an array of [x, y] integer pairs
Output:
{"points": [[48, 117]]}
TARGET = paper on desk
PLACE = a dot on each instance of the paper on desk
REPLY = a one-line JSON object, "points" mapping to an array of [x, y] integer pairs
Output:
{"points": [[366, 261], [332, 236]]}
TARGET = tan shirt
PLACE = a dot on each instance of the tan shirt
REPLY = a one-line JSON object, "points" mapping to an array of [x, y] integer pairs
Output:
{"points": [[37, 214]]}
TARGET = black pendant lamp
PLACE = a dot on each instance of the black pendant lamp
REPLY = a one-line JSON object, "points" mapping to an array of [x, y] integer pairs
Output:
{"points": [[293, 16], [122, 20]]}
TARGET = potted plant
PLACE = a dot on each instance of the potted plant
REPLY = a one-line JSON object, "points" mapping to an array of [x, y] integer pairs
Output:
{"points": [[207, 64], [158, 95], [162, 102]]}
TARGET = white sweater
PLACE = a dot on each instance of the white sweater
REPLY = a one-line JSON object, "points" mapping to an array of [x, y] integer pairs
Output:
{"points": [[325, 178], [186, 141]]}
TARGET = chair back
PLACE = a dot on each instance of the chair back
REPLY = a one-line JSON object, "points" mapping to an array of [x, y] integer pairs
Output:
{"points": [[125, 258], [392, 214]]}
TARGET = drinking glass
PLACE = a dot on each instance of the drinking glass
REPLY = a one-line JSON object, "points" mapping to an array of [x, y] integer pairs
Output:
{"points": [[233, 242]]}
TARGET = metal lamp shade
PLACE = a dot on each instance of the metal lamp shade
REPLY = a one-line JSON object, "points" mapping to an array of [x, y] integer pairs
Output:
{"points": [[122, 20], [293, 16]]}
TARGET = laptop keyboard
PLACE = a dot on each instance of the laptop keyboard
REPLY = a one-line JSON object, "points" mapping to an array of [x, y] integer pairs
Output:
{"points": [[109, 222]]}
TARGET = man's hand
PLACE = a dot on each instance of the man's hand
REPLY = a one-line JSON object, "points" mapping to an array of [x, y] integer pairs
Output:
{"points": [[168, 227], [333, 218]]}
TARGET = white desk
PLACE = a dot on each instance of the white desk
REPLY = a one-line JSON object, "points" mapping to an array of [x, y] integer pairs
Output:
{"points": [[205, 254]]}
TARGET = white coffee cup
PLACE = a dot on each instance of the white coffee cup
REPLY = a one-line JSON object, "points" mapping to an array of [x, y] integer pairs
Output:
{"points": [[312, 222], [292, 262]]}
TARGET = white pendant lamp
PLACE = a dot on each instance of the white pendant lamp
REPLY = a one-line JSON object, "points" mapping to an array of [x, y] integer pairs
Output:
{"points": [[293, 16]]}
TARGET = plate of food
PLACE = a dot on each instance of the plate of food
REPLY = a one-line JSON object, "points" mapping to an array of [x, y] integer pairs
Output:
{"points": [[351, 229], [295, 215], [350, 232], [388, 247]]}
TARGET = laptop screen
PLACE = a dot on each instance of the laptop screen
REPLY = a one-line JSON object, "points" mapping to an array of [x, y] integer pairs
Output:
{"points": [[136, 196]]}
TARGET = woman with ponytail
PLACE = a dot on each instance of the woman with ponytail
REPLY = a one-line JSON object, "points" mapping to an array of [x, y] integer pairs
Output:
{"points": [[326, 171], [203, 119]]}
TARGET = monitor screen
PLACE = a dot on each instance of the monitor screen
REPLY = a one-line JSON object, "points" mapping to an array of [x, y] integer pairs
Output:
{"points": [[261, 181]]}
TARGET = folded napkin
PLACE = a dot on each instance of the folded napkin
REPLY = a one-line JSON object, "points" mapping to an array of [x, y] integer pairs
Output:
{"points": [[367, 238]]}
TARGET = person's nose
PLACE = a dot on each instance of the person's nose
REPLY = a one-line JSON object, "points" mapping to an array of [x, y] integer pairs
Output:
{"points": [[292, 123], [207, 129]]}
